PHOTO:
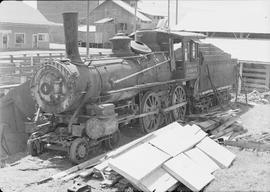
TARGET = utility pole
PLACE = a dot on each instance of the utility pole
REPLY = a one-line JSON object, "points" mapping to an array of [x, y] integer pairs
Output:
{"points": [[176, 13], [87, 30], [169, 2], [135, 20]]}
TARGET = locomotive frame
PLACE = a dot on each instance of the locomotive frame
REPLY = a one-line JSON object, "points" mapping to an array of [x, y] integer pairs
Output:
{"points": [[158, 84]]}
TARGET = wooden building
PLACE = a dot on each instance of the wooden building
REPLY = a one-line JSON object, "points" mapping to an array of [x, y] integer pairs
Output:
{"points": [[53, 10], [27, 30], [253, 60], [113, 16]]}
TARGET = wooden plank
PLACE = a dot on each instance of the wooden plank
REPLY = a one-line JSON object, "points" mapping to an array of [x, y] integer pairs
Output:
{"points": [[130, 145], [225, 125], [188, 172], [202, 160], [249, 145], [178, 140], [159, 181], [81, 166], [256, 81], [255, 85], [246, 69], [222, 156], [135, 164], [256, 75], [141, 140], [86, 172], [208, 125]]}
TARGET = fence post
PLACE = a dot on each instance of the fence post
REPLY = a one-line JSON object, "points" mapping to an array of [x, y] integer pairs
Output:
{"points": [[241, 75], [11, 58], [61, 55], [24, 55], [50, 56], [38, 59], [32, 64]]}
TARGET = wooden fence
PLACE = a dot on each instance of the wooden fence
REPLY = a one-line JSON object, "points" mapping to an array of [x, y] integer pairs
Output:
{"points": [[15, 70], [255, 76]]}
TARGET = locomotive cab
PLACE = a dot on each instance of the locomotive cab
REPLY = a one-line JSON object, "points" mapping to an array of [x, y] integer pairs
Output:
{"points": [[181, 47]]}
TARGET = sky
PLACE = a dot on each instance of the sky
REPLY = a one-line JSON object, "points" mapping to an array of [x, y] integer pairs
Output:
{"points": [[233, 8]]}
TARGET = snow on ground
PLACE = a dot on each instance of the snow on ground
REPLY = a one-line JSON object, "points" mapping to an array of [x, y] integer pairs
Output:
{"points": [[249, 172]]}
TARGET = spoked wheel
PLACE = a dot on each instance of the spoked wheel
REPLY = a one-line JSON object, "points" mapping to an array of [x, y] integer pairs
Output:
{"points": [[150, 102], [179, 96], [167, 117], [78, 151], [113, 141]]}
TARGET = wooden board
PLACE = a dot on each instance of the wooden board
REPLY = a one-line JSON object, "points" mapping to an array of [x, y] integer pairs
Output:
{"points": [[138, 162], [188, 172], [168, 128], [178, 140], [202, 159], [222, 156], [142, 140], [159, 181], [208, 125]]}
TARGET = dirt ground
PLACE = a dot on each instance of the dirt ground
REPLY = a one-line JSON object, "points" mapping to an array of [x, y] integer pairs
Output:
{"points": [[250, 170]]}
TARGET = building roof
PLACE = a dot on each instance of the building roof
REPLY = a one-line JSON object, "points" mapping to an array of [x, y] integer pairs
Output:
{"points": [[21, 13], [104, 20], [130, 9], [83, 28], [244, 49], [214, 16], [219, 22], [152, 12]]}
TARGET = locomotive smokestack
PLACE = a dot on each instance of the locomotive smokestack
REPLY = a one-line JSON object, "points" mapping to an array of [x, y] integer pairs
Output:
{"points": [[71, 36]]}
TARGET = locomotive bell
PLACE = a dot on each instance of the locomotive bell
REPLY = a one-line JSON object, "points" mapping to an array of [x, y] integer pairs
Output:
{"points": [[121, 44]]}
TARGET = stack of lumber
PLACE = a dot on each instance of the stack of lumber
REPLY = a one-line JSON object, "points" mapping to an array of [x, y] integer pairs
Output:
{"points": [[255, 97], [168, 157], [258, 142], [219, 123]]}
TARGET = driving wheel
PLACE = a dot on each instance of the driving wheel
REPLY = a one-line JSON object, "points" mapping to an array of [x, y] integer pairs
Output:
{"points": [[150, 103], [179, 96]]}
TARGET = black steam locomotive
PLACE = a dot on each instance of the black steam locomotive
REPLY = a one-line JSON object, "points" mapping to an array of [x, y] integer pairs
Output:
{"points": [[153, 80]]}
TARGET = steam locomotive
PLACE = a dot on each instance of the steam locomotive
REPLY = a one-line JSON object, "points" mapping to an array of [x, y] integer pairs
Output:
{"points": [[152, 77]]}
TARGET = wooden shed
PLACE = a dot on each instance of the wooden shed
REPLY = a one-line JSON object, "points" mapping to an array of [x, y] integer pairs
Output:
{"points": [[253, 61], [114, 16]]}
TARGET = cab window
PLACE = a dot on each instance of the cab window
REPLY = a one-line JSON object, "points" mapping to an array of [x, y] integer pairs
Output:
{"points": [[177, 48], [193, 50], [187, 51]]}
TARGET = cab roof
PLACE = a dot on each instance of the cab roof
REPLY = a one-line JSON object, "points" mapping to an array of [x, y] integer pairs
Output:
{"points": [[174, 34]]}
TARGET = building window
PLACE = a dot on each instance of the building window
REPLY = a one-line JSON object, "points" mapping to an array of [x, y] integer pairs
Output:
{"points": [[122, 26], [19, 38], [43, 37]]}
